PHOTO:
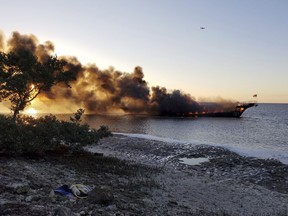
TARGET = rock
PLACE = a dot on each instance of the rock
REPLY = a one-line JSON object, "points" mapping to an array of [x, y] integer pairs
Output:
{"points": [[100, 211], [29, 198], [172, 203], [98, 154], [111, 208], [97, 212], [148, 202], [51, 194], [100, 196], [21, 189], [60, 198], [63, 211], [20, 198]]}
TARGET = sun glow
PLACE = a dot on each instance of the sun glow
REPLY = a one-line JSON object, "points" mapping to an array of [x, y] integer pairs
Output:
{"points": [[31, 111]]}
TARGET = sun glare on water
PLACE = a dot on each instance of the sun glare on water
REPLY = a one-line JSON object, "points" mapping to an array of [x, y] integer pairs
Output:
{"points": [[31, 111]]}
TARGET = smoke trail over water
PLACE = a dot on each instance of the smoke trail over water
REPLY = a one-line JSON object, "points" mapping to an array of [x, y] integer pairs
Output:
{"points": [[102, 91]]}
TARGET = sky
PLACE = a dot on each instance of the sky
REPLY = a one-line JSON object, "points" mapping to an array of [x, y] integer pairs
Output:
{"points": [[242, 51]]}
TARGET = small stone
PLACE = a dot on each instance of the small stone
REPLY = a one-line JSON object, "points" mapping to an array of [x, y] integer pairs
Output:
{"points": [[21, 197], [63, 211], [82, 213], [172, 203], [60, 198], [51, 194], [28, 199], [100, 196], [22, 189], [111, 208], [100, 211]]}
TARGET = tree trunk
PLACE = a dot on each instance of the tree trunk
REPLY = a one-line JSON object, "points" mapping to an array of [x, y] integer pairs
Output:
{"points": [[16, 112]]}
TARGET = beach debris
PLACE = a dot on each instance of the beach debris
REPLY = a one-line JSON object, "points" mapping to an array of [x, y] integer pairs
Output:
{"points": [[80, 190], [76, 190], [64, 190]]}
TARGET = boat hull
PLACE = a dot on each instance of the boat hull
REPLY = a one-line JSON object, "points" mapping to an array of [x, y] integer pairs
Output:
{"points": [[233, 113], [236, 113]]}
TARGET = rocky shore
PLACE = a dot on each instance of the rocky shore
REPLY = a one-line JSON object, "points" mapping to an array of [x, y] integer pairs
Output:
{"points": [[134, 176]]}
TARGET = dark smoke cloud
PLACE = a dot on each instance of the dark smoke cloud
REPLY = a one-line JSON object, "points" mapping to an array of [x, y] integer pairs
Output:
{"points": [[107, 90], [104, 91], [22, 42], [175, 103], [30, 43]]}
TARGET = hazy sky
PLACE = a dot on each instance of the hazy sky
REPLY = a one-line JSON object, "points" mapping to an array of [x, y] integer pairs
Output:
{"points": [[243, 49]]}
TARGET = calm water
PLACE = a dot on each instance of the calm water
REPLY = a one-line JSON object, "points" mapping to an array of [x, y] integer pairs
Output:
{"points": [[262, 131]]}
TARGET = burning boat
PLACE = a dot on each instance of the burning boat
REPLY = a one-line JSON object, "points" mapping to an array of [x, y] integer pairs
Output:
{"points": [[235, 112]]}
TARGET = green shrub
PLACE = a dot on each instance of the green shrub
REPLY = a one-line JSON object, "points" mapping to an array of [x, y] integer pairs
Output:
{"points": [[10, 134], [30, 136]]}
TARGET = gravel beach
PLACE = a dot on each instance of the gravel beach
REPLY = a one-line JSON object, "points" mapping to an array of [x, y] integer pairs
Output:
{"points": [[136, 176]]}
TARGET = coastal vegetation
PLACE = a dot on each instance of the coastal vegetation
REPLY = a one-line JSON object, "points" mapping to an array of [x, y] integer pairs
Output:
{"points": [[23, 76], [34, 137]]}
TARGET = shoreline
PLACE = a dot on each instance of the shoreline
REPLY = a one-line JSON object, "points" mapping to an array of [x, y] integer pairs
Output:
{"points": [[238, 150], [225, 169], [148, 178]]}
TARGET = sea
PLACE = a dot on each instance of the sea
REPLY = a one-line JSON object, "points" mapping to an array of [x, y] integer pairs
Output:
{"points": [[261, 131]]}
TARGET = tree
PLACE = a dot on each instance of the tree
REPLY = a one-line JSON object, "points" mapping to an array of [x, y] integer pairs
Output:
{"points": [[23, 76]]}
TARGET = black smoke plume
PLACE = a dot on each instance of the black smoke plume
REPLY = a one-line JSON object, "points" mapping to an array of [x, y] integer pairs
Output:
{"points": [[103, 91], [173, 104], [30, 43]]}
